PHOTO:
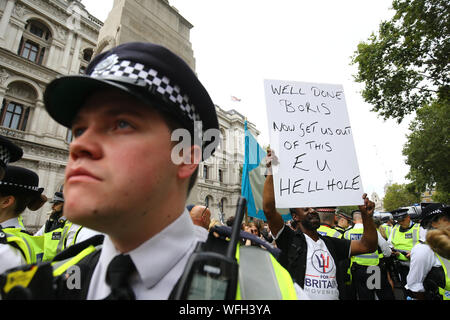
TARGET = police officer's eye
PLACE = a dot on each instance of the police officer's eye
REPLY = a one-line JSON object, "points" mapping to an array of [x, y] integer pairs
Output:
{"points": [[122, 124], [77, 132]]}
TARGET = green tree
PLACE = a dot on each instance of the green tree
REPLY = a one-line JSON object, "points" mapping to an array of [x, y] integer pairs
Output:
{"points": [[428, 148], [406, 65], [399, 195]]}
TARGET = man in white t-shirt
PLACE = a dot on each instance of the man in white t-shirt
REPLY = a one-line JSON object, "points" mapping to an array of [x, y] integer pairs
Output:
{"points": [[315, 261]]}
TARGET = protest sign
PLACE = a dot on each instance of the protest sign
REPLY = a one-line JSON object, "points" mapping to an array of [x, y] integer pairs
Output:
{"points": [[310, 133]]}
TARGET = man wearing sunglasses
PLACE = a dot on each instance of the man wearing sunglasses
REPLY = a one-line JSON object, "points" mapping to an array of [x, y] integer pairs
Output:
{"points": [[315, 261]]}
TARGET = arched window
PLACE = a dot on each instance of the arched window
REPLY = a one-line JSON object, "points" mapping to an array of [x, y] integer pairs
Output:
{"points": [[86, 58], [222, 205], [16, 106], [209, 201], [87, 54], [35, 42]]}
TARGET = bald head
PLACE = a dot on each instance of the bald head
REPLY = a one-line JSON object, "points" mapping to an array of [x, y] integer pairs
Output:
{"points": [[201, 216]]}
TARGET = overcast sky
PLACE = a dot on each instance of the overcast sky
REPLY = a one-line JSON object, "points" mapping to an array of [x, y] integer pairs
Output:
{"points": [[237, 44]]}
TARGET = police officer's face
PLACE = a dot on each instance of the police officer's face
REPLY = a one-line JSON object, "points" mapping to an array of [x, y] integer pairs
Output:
{"points": [[119, 162], [404, 222]]}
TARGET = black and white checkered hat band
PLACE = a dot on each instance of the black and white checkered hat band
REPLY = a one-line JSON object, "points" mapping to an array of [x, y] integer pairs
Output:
{"points": [[154, 81], [5, 183], [4, 155]]}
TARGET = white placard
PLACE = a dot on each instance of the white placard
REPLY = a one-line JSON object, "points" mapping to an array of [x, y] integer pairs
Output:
{"points": [[310, 133]]}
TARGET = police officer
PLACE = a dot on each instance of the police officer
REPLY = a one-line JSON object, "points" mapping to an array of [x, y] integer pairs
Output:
{"points": [[363, 266], [142, 122], [343, 222], [327, 217], [405, 235], [387, 225], [19, 189], [58, 232], [428, 276]]}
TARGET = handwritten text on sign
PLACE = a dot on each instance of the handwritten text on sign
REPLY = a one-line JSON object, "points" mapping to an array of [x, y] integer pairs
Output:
{"points": [[310, 133]]}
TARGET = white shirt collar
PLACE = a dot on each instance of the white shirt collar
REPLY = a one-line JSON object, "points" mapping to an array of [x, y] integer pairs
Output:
{"points": [[155, 257], [11, 223]]}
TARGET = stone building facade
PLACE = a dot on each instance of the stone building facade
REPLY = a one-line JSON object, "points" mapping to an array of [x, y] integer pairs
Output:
{"points": [[219, 180], [40, 40], [43, 39]]}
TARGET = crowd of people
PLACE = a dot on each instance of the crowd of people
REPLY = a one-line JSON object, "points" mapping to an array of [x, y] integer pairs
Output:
{"points": [[121, 217]]}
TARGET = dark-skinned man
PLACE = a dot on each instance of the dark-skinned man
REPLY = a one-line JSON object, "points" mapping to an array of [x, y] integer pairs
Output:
{"points": [[314, 260]]}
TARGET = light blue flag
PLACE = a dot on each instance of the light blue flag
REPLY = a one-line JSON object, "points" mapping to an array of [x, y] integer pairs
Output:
{"points": [[253, 178]]}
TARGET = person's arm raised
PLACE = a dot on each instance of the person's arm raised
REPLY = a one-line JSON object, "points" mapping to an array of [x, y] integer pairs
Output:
{"points": [[369, 240]]}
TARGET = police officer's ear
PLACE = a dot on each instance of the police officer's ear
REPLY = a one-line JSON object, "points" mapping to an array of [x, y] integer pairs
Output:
{"points": [[191, 158], [7, 201]]}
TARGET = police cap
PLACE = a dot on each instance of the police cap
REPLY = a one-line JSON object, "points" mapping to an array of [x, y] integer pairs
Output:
{"points": [[431, 210], [400, 213], [147, 71]]}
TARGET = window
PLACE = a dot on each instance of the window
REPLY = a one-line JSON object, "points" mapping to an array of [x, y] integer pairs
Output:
{"points": [[69, 136], [209, 201], [35, 41], [220, 175], [38, 29], [14, 115], [205, 172], [222, 204], [87, 54], [82, 70]]}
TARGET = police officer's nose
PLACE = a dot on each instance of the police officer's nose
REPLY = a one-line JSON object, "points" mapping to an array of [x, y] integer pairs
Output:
{"points": [[85, 145]]}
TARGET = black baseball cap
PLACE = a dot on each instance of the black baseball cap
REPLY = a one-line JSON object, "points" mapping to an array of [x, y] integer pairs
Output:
{"points": [[147, 71]]}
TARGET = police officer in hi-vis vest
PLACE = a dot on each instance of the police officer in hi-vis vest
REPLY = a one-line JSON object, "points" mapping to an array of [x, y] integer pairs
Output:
{"points": [[141, 122], [363, 266], [60, 233], [19, 189], [327, 218], [404, 236], [429, 272]]}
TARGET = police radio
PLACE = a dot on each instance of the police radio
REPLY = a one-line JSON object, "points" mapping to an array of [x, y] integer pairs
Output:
{"points": [[212, 275]]}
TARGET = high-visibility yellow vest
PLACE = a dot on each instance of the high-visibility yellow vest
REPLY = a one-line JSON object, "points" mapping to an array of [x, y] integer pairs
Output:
{"points": [[32, 247], [387, 230], [261, 277], [405, 240], [330, 232], [445, 292], [55, 241], [366, 259]]}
